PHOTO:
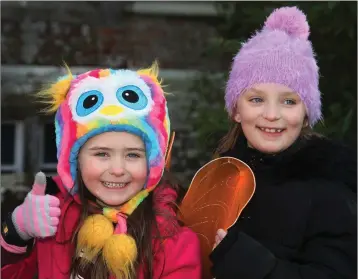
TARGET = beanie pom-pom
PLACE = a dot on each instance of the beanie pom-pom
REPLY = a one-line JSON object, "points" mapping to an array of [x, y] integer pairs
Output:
{"points": [[290, 20]]}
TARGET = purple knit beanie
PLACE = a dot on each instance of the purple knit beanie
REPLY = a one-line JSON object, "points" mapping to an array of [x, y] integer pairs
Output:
{"points": [[281, 53]]}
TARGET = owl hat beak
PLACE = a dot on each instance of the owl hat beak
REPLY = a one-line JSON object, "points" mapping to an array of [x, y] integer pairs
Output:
{"points": [[111, 110]]}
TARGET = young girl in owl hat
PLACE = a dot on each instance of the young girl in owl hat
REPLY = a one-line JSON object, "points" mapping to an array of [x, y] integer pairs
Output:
{"points": [[301, 220], [109, 213]]}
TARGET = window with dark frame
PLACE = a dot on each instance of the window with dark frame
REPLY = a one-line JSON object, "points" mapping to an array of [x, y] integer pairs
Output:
{"points": [[48, 156], [8, 132], [12, 147], [50, 150]]}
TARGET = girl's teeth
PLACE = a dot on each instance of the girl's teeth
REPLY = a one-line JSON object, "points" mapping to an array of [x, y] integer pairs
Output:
{"points": [[271, 130], [114, 185]]}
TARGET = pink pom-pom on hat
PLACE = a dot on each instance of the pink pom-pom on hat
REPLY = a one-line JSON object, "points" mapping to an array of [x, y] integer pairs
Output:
{"points": [[289, 19], [280, 53]]}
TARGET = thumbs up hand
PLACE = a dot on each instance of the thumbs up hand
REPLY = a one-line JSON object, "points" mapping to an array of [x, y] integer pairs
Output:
{"points": [[38, 215]]}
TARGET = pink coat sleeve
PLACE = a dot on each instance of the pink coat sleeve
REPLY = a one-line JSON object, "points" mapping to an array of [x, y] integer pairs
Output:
{"points": [[180, 258]]}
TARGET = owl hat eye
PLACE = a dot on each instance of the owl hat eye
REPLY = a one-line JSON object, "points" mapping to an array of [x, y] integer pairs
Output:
{"points": [[106, 100], [132, 97], [89, 102]]}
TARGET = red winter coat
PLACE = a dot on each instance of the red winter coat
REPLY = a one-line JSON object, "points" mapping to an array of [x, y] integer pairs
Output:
{"points": [[179, 257]]}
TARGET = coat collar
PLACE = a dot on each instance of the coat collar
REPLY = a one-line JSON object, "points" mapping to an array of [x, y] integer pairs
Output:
{"points": [[313, 157]]}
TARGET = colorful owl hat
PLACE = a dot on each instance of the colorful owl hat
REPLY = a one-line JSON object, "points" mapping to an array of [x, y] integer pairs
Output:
{"points": [[99, 101]]}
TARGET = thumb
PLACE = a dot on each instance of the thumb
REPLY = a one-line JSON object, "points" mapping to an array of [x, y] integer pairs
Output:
{"points": [[39, 186]]}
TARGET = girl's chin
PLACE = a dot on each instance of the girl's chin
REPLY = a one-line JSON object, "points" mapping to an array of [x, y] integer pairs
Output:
{"points": [[268, 148], [109, 203]]}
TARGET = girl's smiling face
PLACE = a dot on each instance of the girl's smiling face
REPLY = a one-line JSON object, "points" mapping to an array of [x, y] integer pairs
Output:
{"points": [[113, 166], [271, 116]]}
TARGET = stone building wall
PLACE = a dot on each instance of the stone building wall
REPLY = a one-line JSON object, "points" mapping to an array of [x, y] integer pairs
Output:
{"points": [[102, 33]]}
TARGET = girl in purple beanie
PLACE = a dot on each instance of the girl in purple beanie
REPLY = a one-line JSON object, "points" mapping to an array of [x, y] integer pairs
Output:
{"points": [[301, 222]]}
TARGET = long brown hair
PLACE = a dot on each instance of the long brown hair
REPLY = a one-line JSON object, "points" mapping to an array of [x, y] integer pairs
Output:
{"points": [[142, 226], [228, 141]]}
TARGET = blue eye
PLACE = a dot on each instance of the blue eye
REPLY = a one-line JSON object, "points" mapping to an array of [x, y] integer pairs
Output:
{"points": [[88, 102], [290, 102], [132, 96], [256, 100]]}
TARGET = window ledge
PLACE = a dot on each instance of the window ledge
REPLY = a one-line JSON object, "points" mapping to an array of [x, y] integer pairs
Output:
{"points": [[175, 8]]}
